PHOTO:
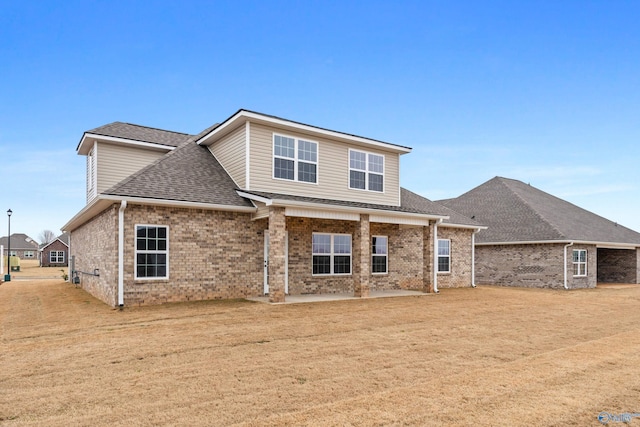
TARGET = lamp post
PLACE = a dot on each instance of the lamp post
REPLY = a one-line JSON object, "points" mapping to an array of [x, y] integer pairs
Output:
{"points": [[7, 277]]}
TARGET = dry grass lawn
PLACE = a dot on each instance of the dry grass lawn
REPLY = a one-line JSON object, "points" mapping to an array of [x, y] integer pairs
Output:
{"points": [[30, 269], [485, 356]]}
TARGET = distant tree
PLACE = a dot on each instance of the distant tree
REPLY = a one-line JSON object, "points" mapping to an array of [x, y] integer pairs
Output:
{"points": [[47, 236]]}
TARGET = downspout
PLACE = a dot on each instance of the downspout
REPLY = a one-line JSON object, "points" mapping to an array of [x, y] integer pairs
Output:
{"points": [[473, 258], [565, 264], [435, 256], [123, 206]]}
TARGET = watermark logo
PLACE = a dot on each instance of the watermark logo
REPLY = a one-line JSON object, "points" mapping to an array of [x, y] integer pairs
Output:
{"points": [[625, 417]]}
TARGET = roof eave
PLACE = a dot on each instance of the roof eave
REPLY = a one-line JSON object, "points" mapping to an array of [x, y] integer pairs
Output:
{"points": [[610, 245], [243, 115], [86, 143], [337, 208]]}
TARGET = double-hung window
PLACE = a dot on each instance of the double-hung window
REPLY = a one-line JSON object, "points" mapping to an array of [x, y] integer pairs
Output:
{"points": [[331, 254], [152, 252], [56, 257], [295, 159], [444, 256], [379, 254], [579, 262], [366, 171], [28, 254]]}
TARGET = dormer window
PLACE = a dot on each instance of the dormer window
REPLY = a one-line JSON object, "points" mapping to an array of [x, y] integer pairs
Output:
{"points": [[366, 171], [295, 159]]}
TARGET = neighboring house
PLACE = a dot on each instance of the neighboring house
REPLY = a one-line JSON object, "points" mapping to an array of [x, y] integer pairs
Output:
{"points": [[537, 240], [256, 205], [55, 253], [22, 246]]}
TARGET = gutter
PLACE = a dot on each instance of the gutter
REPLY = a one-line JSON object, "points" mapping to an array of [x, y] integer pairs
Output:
{"points": [[473, 257], [435, 255], [123, 206], [565, 263]]}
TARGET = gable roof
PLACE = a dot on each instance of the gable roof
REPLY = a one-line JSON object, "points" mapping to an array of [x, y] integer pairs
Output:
{"points": [[190, 173], [517, 212], [63, 238], [132, 132], [242, 116], [19, 242]]}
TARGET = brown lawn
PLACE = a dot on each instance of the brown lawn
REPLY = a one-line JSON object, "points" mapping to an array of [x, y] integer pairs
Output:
{"points": [[30, 269], [485, 356]]}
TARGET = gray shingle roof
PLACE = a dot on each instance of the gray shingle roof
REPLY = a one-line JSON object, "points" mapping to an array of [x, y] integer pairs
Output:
{"points": [[19, 241], [140, 133], [410, 203], [189, 173], [517, 212]]}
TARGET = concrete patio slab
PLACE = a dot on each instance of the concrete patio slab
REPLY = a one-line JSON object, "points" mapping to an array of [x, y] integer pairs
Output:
{"points": [[308, 298]]}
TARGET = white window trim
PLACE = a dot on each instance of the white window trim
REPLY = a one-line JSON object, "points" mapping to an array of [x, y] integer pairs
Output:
{"points": [[578, 263], [386, 257], [332, 254], [367, 172], [57, 257], [444, 256], [135, 253], [28, 254], [295, 158]]}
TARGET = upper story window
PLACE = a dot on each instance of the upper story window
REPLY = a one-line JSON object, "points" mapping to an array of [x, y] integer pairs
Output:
{"points": [[366, 171], [295, 159]]}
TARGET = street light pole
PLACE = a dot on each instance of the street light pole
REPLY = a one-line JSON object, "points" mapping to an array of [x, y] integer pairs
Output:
{"points": [[7, 277]]}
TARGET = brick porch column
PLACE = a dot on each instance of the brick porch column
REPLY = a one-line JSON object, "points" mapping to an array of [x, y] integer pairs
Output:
{"points": [[361, 258], [428, 267], [277, 235]]}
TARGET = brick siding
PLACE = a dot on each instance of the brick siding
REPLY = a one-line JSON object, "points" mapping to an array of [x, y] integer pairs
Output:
{"points": [[532, 266], [220, 255], [57, 246], [618, 266]]}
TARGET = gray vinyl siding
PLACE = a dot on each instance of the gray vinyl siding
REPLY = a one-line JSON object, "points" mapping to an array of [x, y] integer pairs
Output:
{"points": [[116, 162], [333, 170], [230, 152]]}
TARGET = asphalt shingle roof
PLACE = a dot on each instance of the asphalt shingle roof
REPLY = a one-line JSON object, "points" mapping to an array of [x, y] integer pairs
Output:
{"points": [[141, 133], [517, 212], [19, 241], [409, 203], [189, 173]]}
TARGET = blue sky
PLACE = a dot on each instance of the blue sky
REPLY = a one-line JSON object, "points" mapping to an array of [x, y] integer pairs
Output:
{"points": [[546, 92]]}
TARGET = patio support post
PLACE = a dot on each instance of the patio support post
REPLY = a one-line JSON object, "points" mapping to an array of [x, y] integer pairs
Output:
{"points": [[277, 236], [428, 269], [362, 258]]}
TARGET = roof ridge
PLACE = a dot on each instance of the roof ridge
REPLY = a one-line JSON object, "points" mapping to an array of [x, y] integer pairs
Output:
{"points": [[148, 127], [535, 211]]}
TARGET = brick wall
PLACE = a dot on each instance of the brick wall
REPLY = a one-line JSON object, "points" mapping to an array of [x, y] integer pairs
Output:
{"points": [[301, 280], [532, 266], [617, 266], [55, 246], [460, 275], [212, 255], [95, 245]]}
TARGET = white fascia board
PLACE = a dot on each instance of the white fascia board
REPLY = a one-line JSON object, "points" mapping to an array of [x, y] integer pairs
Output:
{"points": [[96, 206], [337, 208], [178, 203], [252, 197], [85, 144], [453, 225], [604, 245], [242, 116]]}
